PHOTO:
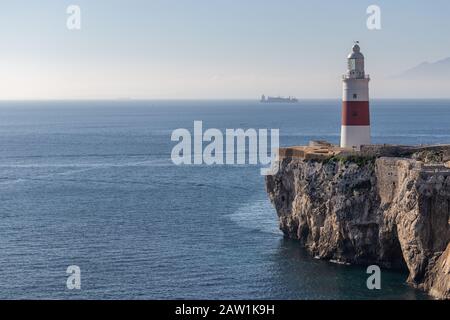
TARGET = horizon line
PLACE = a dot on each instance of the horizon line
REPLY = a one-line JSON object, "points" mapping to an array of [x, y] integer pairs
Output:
{"points": [[192, 99]]}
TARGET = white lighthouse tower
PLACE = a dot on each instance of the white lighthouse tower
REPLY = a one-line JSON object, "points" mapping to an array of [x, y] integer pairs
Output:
{"points": [[355, 130]]}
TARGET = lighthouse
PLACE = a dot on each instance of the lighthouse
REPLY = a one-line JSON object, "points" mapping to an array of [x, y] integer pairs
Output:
{"points": [[355, 130]]}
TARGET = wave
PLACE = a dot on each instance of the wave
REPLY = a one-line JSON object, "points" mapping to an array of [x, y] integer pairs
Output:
{"points": [[258, 215], [72, 169], [89, 166]]}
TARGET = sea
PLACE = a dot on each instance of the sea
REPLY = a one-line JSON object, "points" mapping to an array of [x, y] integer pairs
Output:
{"points": [[92, 184]]}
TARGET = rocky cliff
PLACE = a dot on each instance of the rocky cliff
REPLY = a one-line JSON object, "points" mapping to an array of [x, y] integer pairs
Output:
{"points": [[367, 208]]}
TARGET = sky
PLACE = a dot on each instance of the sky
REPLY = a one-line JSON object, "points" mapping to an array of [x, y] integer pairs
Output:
{"points": [[214, 49]]}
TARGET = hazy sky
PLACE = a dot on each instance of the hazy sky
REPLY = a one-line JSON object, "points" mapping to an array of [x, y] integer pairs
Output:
{"points": [[161, 49]]}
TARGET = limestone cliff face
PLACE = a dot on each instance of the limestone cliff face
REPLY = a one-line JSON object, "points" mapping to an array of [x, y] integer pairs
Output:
{"points": [[394, 212]]}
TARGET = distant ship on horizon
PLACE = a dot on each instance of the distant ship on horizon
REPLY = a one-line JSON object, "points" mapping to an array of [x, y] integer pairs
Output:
{"points": [[278, 99]]}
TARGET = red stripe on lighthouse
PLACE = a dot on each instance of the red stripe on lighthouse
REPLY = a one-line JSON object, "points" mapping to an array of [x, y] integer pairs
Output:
{"points": [[355, 113]]}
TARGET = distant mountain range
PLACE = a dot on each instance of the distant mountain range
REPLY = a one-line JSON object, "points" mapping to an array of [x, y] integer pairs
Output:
{"points": [[439, 70]]}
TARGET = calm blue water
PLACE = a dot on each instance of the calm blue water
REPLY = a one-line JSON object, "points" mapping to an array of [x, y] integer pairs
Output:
{"points": [[92, 184]]}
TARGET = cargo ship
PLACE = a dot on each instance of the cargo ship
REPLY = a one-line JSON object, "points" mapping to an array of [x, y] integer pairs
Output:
{"points": [[278, 99]]}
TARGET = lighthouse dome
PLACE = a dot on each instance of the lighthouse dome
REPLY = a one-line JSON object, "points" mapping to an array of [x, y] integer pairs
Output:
{"points": [[356, 54]]}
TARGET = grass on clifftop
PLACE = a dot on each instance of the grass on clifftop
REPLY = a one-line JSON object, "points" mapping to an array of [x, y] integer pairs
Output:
{"points": [[360, 160]]}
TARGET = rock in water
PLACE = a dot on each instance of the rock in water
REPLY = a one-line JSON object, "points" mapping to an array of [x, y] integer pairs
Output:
{"points": [[371, 209]]}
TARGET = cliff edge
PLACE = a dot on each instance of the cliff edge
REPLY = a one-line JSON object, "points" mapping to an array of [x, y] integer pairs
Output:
{"points": [[384, 205]]}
